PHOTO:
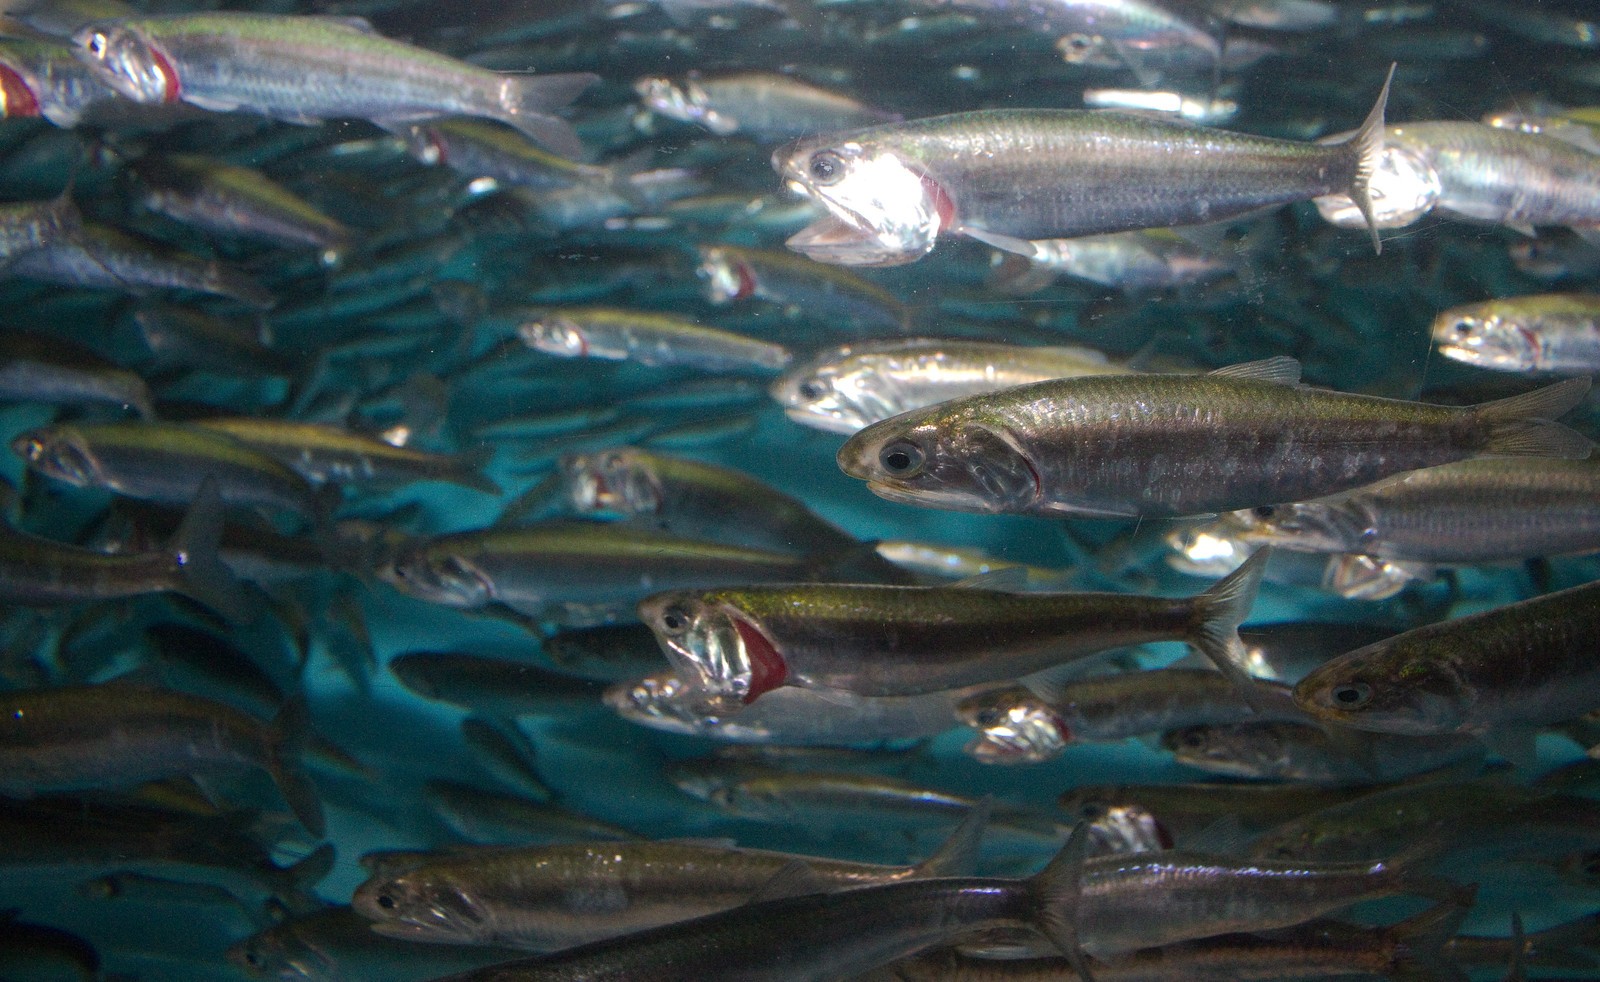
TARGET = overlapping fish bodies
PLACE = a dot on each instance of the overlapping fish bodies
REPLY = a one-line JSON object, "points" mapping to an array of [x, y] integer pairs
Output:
{"points": [[741, 643], [1008, 176], [1162, 445], [306, 69]]}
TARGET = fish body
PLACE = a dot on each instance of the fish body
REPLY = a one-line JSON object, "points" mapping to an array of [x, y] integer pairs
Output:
{"points": [[100, 256], [307, 69], [1474, 511], [1556, 332], [37, 368], [1288, 751], [43, 78], [742, 642], [28, 226], [732, 274], [183, 336], [336, 943], [327, 454], [476, 148], [1525, 664], [763, 106], [1166, 445], [1144, 259], [844, 389], [496, 686], [648, 338], [82, 737], [1008, 176]]}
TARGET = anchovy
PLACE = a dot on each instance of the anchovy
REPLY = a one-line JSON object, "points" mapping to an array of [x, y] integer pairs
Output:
{"points": [[195, 339], [307, 69], [498, 686], [1556, 332], [494, 817], [732, 274], [1165, 445], [760, 105], [648, 339], [1147, 259], [336, 943], [327, 454], [47, 369], [28, 226], [1301, 752], [42, 78], [740, 643], [96, 255]]}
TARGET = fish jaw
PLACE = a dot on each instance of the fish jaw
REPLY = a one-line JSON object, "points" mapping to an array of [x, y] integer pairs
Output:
{"points": [[957, 465], [1487, 341], [837, 242], [715, 648], [881, 210], [129, 63]]}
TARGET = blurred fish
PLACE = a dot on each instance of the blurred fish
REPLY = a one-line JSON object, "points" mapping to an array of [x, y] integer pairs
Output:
{"points": [[1570, 945], [495, 686], [330, 455], [957, 563], [504, 752], [37, 951], [305, 69], [1149, 37], [336, 944], [1164, 445], [1575, 126], [892, 190], [1206, 110], [195, 339], [740, 643], [1474, 511], [844, 389], [41, 78], [36, 368], [606, 652], [765, 107], [1493, 674], [1190, 812], [533, 898], [1149, 259], [32, 225], [732, 274], [1556, 332], [99, 256], [648, 338], [1298, 752], [120, 734], [475, 148], [507, 819]]}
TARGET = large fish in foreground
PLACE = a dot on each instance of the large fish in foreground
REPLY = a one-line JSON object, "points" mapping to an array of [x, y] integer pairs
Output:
{"points": [[1008, 176], [307, 69], [1171, 445]]}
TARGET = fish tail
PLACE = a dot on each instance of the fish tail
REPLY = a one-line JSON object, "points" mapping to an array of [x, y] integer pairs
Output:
{"points": [[1219, 612], [201, 574], [1058, 892], [1564, 945], [305, 873], [290, 731], [1524, 425], [959, 854], [527, 101], [225, 281], [1419, 943], [1367, 145], [468, 471]]}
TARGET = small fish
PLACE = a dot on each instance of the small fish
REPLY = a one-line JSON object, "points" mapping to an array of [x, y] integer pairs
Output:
{"points": [[27, 226], [475, 148], [945, 562], [1144, 259], [121, 734], [44, 78], [732, 274], [494, 686], [543, 898], [307, 69], [1168, 445], [330, 455], [100, 256], [336, 944], [1525, 664], [1187, 812], [164, 462], [606, 652], [35, 368], [183, 336], [1149, 37], [765, 107], [740, 643], [1557, 332], [789, 716], [844, 389], [510, 819], [1207, 110], [1299, 752], [648, 338], [1008, 176], [1474, 511], [37, 951]]}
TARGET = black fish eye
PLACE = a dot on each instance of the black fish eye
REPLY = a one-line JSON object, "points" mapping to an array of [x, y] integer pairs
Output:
{"points": [[1351, 695], [1265, 511], [675, 619], [901, 458], [385, 901], [1463, 327], [812, 390], [97, 43], [826, 167], [1193, 739], [252, 958], [1093, 810], [987, 717]]}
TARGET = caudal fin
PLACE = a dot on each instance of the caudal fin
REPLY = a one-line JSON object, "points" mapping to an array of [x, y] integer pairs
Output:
{"points": [[1419, 942], [959, 854], [1524, 425], [1219, 612], [1058, 890], [201, 575], [527, 101], [290, 731], [1367, 145]]}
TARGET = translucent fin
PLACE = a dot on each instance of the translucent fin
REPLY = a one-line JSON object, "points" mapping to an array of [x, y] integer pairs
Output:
{"points": [[796, 879], [308, 872], [201, 574], [1277, 370], [1368, 147], [1419, 943], [1057, 889], [1006, 579], [527, 101], [1523, 426], [290, 731], [959, 854], [1005, 243], [1220, 611]]}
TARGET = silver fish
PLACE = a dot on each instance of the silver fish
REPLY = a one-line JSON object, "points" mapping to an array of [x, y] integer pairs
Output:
{"points": [[763, 106], [1552, 332]]}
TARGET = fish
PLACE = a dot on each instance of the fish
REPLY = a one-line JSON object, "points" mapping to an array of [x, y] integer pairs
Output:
{"points": [[336, 943], [763, 106], [1475, 511], [847, 388], [477, 148], [1170, 446], [43, 78], [740, 643], [1556, 332], [330, 455], [102, 256], [606, 652], [35, 368], [1008, 176], [166, 463], [306, 69], [1525, 664], [1190, 812], [495, 686], [182, 336], [503, 751], [1301, 752], [30, 226], [825, 936], [648, 338], [1144, 259], [118, 734], [731, 274], [497, 818], [30, 950], [543, 898]]}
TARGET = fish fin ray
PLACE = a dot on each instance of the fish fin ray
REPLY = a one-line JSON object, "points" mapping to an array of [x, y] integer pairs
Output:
{"points": [[1419, 942], [958, 856], [290, 731], [1277, 370], [1368, 146], [995, 240], [201, 574], [1058, 889], [1525, 426], [526, 103], [1221, 610]]}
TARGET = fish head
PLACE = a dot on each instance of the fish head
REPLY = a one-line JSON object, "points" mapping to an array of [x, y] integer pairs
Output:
{"points": [[422, 906], [881, 210], [830, 394], [128, 61], [1402, 685], [612, 482], [686, 102], [726, 276], [947, 456], [278, 954], [663, 700], [1307, 526], [555, 335], [1014, 726], [438, 575], [1485, 339], [715, 647], [1088, 50], [59, 452], [1213, 547], [19, 92], [1248, 750]]}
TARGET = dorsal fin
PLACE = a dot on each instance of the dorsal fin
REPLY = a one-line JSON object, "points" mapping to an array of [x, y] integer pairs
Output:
{"points": [[1277, 370]]}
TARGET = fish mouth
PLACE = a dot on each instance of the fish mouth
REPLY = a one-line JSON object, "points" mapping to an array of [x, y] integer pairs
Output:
{"points": [[822, 421], [843, 238], [949, 501]]}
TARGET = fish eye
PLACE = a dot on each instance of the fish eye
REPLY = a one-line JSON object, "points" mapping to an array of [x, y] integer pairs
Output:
{"points": [[97, 44], [826, 167], [386, 902], [1093, 810], [1264, 511], [1192, 739], [675, 620], [1351, 695], [987, 717], [1463, 328], [812, 390], [901, 458], [252, 958]]}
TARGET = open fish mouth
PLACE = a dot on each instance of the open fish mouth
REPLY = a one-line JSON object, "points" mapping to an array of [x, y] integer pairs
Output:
{"points": [[832, 239]]}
